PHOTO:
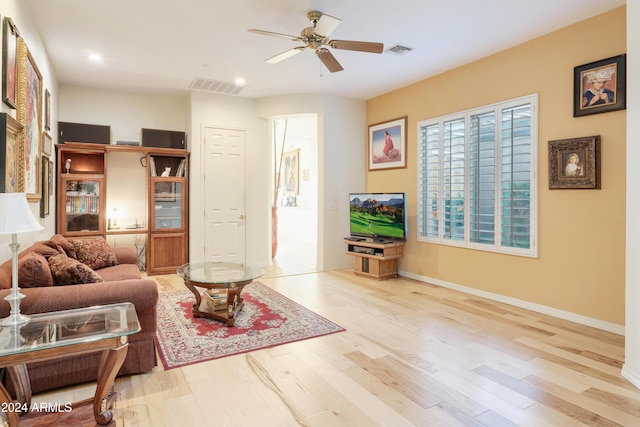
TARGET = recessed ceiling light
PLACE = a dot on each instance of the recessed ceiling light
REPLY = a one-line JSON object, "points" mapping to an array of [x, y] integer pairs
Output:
{"points": [[95, 57], [240, 81]]}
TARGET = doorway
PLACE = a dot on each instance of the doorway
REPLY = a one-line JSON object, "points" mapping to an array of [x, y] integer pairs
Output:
{"points": [[295, 190]]}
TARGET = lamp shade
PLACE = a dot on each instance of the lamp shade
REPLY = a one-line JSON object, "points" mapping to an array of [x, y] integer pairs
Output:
{"points": [[15, 214]]}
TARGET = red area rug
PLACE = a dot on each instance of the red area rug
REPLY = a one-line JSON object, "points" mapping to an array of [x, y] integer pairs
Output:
{"points": [[268, 319]]}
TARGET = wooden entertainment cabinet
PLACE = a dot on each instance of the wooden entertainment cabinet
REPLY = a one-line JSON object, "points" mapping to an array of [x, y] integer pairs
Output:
{"points": [[82, 193], [375, 259]]}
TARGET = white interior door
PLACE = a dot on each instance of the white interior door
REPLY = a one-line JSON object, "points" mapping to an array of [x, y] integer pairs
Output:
{"points": [[224, 193]]}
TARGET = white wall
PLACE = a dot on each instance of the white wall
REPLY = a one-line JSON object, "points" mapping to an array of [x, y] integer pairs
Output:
{"points": [[21, 16], [126, 114], [631, 369], [342, 137]]}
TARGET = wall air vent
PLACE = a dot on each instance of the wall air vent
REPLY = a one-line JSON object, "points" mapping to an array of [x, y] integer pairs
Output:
{"points": [[399, 49], [215, 86]]}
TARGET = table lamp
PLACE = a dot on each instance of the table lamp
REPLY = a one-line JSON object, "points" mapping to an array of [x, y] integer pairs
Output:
{"points": [[15, 218]]}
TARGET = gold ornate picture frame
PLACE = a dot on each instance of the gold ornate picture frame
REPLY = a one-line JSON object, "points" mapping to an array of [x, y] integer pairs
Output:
{"points": [[10, 135], [29, 113]]}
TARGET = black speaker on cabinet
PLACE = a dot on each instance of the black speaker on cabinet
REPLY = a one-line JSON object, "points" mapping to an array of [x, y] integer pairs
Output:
{"points": [[81, 132], [164, 138]]}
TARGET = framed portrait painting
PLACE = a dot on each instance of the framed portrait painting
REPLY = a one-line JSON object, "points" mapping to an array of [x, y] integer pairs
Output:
{"points": [[388, 145], [600, 87], [10, 63], [574, 163]]}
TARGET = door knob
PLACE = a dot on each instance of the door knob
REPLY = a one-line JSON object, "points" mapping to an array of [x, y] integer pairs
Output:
{"points": [[241, 216]]}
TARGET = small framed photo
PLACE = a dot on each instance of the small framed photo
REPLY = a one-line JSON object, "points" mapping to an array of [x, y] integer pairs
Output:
{"points": [[47, 110], [600, 87], [388, 145], [46, 182], [47, 144], [574, 163], [10, 63]]}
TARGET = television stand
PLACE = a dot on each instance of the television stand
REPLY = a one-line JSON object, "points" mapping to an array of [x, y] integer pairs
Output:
{"points": [[375, 259]]}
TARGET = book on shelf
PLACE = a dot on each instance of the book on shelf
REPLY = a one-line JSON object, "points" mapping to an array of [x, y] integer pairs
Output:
{"points": [[152, 166], [181, 167]]}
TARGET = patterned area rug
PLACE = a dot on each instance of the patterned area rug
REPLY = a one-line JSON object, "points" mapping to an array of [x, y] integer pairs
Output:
{"points": [[268, 319]]}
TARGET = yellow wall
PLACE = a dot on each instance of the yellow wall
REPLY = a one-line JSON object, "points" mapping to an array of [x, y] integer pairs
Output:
{"points": [[580, 268]]}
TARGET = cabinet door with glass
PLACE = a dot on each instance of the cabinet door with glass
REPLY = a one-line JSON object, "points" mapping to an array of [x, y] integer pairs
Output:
{"points": [[81, 191], [167, 204], [168, 211]]}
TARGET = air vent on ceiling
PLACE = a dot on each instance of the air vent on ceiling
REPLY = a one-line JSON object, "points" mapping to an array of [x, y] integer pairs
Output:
{"points": [[215, 86], [399, 49]]}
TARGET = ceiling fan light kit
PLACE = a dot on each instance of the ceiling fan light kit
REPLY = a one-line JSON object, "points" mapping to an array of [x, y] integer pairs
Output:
{"points": [[317, 39]]}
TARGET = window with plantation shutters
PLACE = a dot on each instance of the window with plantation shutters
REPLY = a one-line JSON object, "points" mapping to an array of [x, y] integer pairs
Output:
{"points": [[477, 178]]}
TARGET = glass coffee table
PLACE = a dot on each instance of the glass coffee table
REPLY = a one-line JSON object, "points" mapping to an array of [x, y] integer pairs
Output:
{"points": [[58, 334], [217, 287]]}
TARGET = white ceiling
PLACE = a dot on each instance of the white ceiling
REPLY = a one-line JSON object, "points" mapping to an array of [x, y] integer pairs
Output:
{"points": [[161, 46]]}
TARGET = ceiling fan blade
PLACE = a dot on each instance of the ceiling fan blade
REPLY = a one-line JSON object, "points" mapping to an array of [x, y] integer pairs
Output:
{"points": [[359, 46], [270, 33], [326, 24], [329, 60], [284, 55]]}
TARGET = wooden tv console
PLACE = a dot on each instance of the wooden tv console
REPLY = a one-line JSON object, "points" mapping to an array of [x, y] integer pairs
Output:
{"points": [[375, 259]]}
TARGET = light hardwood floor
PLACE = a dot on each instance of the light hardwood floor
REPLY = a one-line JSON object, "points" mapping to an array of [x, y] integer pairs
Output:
{"points": [[413, 354]]}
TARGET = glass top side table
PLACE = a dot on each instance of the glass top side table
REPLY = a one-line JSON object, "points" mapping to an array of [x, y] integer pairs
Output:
{"points": [[65, 333]]}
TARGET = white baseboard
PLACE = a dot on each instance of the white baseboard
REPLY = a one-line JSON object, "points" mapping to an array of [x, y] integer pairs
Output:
{"points": [[631, 375], [566, 315]]}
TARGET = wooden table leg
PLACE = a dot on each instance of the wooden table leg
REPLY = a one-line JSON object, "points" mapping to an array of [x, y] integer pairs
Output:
{"points": [[20, 379], [7, 402], [110, 364], [196, 293]]}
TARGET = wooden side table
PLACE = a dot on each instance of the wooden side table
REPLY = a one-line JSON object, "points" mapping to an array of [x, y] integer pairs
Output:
{"points": [[377, 260], [59, 334]]}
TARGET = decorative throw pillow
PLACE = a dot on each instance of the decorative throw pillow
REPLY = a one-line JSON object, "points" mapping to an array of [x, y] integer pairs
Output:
{"points": [[34, 271], [59, 242], [68, 271], [95, 253]]}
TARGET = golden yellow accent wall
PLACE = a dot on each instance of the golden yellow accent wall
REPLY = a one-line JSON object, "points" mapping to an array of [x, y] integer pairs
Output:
{"points": [[581, 233]]}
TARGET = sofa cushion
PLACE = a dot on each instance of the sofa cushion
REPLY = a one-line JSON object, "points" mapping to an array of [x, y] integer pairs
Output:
{"points": [[34, 271], [95, 253], [43, 249], [119, 272], [5, 268], [59, 242], [68, 271]]}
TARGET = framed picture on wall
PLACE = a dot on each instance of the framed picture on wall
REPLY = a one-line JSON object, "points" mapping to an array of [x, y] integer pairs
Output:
{"points": [[47, 110], [10, 63], [600, 87], [574, 163], [30, 115], [10, 131], [388, 145], [291, 177], [46, 183]]}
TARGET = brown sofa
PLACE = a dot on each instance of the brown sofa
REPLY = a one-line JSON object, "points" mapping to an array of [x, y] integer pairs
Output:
{"points": [[47, 286]]}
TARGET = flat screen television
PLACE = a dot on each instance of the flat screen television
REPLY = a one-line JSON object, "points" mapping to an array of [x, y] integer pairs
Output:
{"points": [[379, 216]]}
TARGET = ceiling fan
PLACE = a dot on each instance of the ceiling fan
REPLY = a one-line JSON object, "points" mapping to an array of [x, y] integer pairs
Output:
{"points": [[316, 37]]}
